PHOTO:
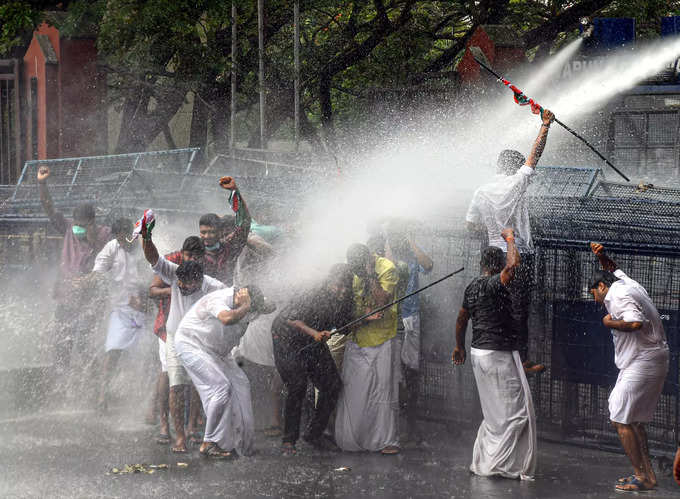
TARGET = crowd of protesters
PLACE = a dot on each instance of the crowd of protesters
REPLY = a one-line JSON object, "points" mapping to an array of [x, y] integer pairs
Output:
{"points": [[214, 314]]}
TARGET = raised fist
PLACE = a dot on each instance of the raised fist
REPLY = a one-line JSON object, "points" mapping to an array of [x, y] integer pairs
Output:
{"points": [[43, 173], [597, 248], [227, 183]]}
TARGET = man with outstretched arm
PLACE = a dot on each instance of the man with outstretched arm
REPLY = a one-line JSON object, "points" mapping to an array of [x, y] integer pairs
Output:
{"points": [[187, 285], [119, 261], [641, 355], [506, 440], [83, 240], [192, 250], [502, 203]]}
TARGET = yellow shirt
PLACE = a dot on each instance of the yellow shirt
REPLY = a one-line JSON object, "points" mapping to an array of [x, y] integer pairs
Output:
{"points": [[379, 331]]}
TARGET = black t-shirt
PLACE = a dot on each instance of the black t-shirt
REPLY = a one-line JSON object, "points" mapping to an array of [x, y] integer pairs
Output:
{"points": [[317, 308], [489, 305]]}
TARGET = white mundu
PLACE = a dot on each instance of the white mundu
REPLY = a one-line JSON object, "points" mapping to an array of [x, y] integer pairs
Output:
{"points": [[502, 203], [368, 408], [506, 439], [125, 323], [203, 344], [641, 355]]}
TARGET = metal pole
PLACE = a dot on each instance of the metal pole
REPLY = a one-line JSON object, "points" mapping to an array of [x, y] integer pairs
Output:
{"points": [[260, 38], [296, 50], [232, 115]]}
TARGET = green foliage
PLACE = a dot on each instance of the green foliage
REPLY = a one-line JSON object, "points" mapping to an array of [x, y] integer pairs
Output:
{"points": [[350, 49], [16, 18]]}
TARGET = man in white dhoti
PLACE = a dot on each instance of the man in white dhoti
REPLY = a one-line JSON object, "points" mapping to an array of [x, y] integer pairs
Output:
{"points": [[641, 355], [502, 203], [119, 260], [204, 340], [506, 440], [368, 409], [187, 285]]}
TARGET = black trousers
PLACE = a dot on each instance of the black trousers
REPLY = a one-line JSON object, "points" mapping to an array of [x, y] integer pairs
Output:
{"points": [[520, 293], [315, 364]]}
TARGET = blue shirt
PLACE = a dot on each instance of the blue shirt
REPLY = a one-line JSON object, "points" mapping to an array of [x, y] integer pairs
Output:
{"points": [[411, 306]]}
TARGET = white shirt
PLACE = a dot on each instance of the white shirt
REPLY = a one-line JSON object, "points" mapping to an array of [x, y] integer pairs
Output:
{"points": [[501, 204], [201, 327], [180, 303], [627, 300], [123, 269]]}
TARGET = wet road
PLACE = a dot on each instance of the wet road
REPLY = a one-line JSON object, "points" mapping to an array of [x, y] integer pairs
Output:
{"points": [[69, 454]]}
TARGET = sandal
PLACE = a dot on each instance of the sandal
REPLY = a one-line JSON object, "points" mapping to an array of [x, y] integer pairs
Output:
{"points": [[179, 450], [273, 431], [288, 449], [213, 451], [163, 439], [390, 450], [195, 438], [626, 479], [634, 485]]}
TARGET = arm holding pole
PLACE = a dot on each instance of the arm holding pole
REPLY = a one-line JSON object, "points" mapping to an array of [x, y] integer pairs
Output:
{"points": [[539, 143]]}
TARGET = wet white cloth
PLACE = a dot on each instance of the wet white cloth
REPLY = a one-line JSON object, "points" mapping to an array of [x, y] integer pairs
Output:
{"points": [[410, 346], [125, 327], [123, 270], [638, 388], [368, 409], [162, 355], [179, 306], [627, 300], [203, 345], [500, 204], [506, 440], [180, 303], [256, 344]]}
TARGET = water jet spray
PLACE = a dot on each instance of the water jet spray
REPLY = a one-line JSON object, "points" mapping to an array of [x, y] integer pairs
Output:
{"points": [[523, 100]]}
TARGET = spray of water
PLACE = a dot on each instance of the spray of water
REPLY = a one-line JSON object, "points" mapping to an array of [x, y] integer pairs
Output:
{"points": [[618, 73]]}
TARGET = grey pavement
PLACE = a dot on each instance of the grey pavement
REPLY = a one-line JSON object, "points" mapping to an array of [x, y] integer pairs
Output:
{"points": [[68, 454]]}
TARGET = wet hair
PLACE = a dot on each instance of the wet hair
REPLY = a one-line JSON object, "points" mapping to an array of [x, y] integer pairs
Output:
{"points": [[121, 226], [509, 161], [357, 255], [189, 271], [493, 259], [376, 244], [210, 220], [344, 308], [194, 244], [258, 302], [602, 276], [84, 212], [342, 273]]}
